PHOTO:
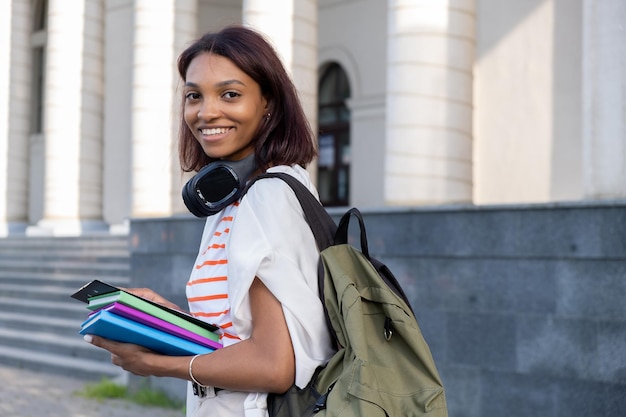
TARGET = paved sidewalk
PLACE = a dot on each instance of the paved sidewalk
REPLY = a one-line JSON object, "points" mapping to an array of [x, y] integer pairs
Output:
{"points": [[25, 393]]}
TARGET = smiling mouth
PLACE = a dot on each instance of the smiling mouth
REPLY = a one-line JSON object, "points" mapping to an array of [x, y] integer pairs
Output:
{"points": [[214, 131]]}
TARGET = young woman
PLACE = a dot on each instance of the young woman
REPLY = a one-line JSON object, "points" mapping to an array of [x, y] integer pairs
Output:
{"points": [[256, 271]]}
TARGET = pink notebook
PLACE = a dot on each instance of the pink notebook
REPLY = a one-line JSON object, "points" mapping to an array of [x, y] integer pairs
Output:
{"points": [[141, 317]]}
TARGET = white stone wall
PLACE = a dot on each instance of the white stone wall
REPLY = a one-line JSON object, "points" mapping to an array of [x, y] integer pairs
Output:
{"points": [[486, 101], [514, 101], [549, 107]]}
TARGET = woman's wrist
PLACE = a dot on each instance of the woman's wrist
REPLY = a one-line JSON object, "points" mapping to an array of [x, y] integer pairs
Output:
{"points": [[169, 366], [191, 375]]}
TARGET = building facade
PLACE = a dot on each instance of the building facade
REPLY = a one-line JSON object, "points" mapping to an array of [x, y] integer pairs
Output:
{"points": [[417, 102]]}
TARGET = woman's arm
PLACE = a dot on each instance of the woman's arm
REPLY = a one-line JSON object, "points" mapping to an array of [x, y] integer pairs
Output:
{"points": [[265, 362]]}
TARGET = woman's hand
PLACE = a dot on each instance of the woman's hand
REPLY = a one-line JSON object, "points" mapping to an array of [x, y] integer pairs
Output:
{"points": [[141, 361], [132, 358]]}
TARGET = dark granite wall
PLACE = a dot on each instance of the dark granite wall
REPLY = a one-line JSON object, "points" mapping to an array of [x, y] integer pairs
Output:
{"points": [[524, 307]]}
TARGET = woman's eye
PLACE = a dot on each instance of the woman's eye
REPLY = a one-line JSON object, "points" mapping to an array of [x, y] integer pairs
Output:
{"points": [[231, 95], [192, 96]]}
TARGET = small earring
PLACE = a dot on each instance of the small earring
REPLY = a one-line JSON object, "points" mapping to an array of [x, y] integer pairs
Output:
{"points": [[268, 115]]}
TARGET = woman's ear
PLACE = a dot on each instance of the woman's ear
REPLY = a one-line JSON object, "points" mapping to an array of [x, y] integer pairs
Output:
{"points": [[266, 110], [267, 106]]}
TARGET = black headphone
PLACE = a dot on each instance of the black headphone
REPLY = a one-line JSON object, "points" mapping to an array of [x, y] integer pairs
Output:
{"points": [[217, 185]]}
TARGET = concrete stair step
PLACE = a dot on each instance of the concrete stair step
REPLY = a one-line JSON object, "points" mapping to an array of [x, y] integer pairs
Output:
{"points": [[56, 267], [64, 309], [100, 242], [38, 292], [62, 364], [39, 322], [69, 281], [120, 256], [45, 342], [33, 323]]}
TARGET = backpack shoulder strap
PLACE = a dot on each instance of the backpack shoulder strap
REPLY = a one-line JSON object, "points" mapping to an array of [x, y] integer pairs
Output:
{"points": [[320, 222]]}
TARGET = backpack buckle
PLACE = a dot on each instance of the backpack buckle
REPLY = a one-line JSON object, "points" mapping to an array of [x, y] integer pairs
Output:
{"points": [[388, 329], [320, 404]]}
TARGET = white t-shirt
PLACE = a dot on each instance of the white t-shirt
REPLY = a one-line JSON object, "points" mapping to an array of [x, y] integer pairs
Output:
{"points": [[265, 235]]}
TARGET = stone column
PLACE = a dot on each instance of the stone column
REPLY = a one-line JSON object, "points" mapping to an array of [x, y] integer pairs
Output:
{"points": [[430, 51], [604, 99], [186, 31], [6, 9], [15, 93], [291, 25], [117, 149], [73, 119], [161, 29]]}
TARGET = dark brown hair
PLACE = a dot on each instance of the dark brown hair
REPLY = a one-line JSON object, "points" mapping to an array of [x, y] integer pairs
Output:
{"points": [[284, 138]]}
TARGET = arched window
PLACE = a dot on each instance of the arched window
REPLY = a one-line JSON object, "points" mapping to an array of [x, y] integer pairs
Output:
{"points": [[38, 43], [334, 137]]}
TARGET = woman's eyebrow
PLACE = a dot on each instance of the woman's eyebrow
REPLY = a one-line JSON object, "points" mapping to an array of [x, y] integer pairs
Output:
{"points": [[229, 82], [219, 84]]}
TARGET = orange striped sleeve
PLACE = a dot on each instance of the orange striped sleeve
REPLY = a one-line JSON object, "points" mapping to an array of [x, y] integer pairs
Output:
{"points": [[212, 263], [227, 334], [230, 336], [210, 314], [214, 246], [206, 280], [208, 297], [218, 233]]}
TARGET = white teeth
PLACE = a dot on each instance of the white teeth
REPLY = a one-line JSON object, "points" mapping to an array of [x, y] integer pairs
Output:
{"points": [[214, 131]]}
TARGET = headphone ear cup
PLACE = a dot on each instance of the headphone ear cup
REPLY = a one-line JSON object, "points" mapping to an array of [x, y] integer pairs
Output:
{"points": [[191, 199], [216, 185]]}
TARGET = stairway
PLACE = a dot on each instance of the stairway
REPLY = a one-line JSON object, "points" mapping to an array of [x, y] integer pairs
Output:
{"points": [[39, 322]]}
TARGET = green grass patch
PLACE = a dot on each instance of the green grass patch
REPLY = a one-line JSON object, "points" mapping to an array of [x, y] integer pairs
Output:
{"points": [[107, 389], [154, 399]]}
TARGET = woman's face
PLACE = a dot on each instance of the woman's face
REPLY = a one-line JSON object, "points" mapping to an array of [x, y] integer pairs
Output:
{"points": [[223, 107]]}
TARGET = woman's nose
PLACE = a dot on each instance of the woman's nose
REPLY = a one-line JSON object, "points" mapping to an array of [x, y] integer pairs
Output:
{"points": [[208, 110]]}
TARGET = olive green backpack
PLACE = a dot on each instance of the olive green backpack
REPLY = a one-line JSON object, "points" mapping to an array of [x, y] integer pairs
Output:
{"points": [[383, 366]]}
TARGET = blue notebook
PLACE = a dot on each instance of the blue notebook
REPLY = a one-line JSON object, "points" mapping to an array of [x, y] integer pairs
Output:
{"points": [[118, 328]]}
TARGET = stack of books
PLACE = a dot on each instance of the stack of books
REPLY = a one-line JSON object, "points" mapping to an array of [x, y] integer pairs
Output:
{"points": [[121, 316]]}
